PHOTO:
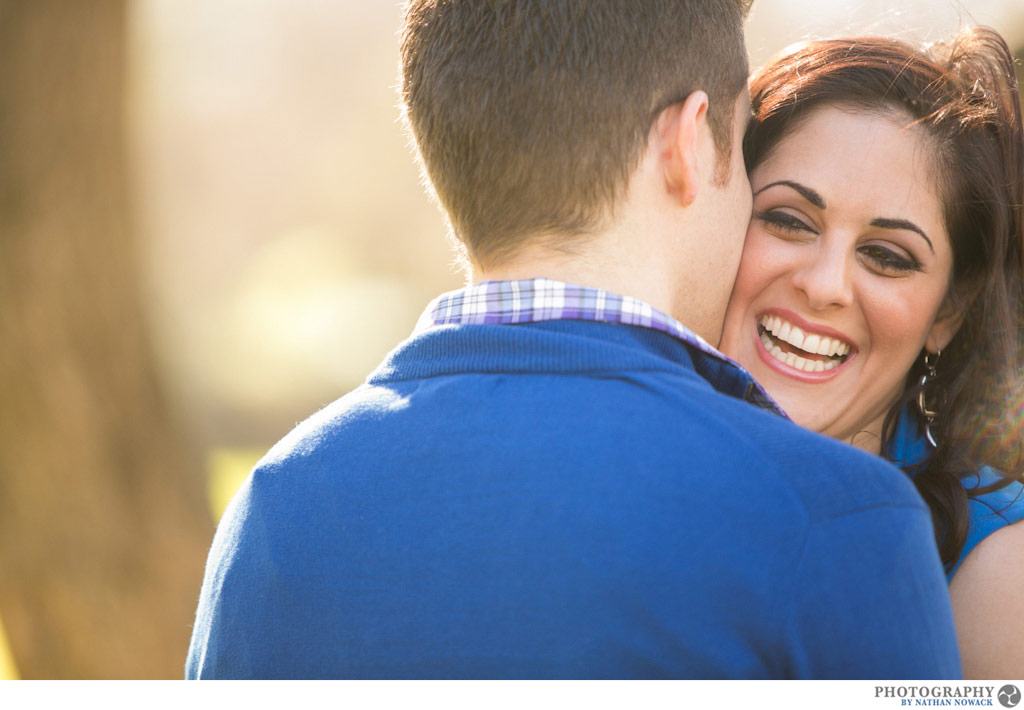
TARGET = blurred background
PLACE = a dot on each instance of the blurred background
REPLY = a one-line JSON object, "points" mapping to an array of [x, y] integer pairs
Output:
{"points": [[211, 225]]}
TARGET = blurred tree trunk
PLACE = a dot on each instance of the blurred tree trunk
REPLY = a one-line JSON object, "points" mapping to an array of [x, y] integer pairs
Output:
{"points": [[1019, 56], [103, 523]]}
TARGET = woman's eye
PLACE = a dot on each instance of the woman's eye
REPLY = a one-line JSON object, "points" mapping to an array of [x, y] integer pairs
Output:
{"points": [[783, 222], [889, 260]]}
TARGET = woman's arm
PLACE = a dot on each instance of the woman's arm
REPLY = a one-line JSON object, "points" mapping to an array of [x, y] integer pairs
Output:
{"points": [[988, 606]]}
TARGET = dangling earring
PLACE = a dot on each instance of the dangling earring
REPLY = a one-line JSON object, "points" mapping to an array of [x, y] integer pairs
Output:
{"points": [[929, 415]]}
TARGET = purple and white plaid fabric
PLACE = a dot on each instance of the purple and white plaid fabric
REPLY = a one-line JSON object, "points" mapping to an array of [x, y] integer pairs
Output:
{"points": [[535, 300]]}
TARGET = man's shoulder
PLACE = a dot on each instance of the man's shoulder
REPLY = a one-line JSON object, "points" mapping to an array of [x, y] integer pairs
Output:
{"points": [[830, 477], [400, 515], [678, 424]]}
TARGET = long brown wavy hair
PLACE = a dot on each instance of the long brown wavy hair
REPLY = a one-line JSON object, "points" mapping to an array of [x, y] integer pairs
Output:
{"points": [[964, 94]]}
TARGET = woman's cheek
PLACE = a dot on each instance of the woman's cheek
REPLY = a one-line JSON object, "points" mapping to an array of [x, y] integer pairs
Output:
{"points": [[764, 260]]}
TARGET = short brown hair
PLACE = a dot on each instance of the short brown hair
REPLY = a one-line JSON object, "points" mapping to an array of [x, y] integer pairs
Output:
{"points": [[530, 115]]}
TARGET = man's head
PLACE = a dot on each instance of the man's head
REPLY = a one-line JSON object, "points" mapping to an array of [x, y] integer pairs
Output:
{"points": [[531, 115]]}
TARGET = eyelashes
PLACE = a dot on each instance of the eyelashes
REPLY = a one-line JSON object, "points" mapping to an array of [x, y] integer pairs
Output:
{"points": [[784, 222], [888, 259], [883, 259]]}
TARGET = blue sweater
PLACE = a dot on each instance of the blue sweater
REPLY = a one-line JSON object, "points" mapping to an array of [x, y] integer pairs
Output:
{"points": [[567, 500]]}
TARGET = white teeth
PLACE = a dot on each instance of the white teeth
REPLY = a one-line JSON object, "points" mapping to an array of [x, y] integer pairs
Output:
{"points": [[832, 347], [796, 338], [810, 343], [800, 363]]}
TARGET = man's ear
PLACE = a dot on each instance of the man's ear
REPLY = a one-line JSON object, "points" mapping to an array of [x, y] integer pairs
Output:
{"points": [[681, 156]]}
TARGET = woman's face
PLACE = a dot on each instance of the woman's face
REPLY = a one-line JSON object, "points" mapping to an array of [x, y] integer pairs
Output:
{"points": [[844, 271]]}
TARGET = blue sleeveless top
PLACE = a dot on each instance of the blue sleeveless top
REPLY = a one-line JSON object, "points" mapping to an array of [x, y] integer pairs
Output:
{"points": [[987, 512]]}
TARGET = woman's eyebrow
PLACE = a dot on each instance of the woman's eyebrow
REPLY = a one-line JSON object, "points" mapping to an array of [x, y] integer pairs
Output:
{"points": [[815, 199], [901, 224], [808, 194]]}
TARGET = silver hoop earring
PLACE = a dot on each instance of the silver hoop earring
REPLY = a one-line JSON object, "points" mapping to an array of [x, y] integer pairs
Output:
{"points": [[929, 415]]}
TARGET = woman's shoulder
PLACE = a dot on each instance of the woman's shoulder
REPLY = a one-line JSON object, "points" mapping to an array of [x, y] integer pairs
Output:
{"points": [[986, 591], [991, 511], [1000, 507]]}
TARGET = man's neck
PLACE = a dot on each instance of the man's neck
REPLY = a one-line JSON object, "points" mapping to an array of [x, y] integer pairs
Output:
{"points": [[595, 266], [654, 250]]}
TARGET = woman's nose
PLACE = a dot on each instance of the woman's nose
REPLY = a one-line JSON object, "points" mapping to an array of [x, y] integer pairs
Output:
{"points": [[825, 278]]}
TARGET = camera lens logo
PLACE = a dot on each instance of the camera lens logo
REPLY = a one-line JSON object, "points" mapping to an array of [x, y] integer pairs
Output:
{"points": [[1009, 696]]}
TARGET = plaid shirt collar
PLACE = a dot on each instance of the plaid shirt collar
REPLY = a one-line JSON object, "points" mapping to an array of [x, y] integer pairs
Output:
{"points": [[536, 300]]}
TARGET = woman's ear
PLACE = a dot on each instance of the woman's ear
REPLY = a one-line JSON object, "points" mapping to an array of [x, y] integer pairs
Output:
{"points": [[681, 134], [952, 313], [945, 327]]}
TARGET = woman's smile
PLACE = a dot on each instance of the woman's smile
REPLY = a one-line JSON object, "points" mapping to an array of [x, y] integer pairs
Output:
{"points": [[796, 348], [845, 270]]}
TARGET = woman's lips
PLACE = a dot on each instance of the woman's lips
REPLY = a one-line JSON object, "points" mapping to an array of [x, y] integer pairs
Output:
{"points": [[790, 345]]}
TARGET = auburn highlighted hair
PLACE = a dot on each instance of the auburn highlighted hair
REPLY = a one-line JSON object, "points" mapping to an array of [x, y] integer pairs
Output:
{"points": [[964, 95]]}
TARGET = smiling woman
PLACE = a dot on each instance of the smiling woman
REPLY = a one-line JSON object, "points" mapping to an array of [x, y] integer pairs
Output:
{"points": [[879, 297], [833, 255]]}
